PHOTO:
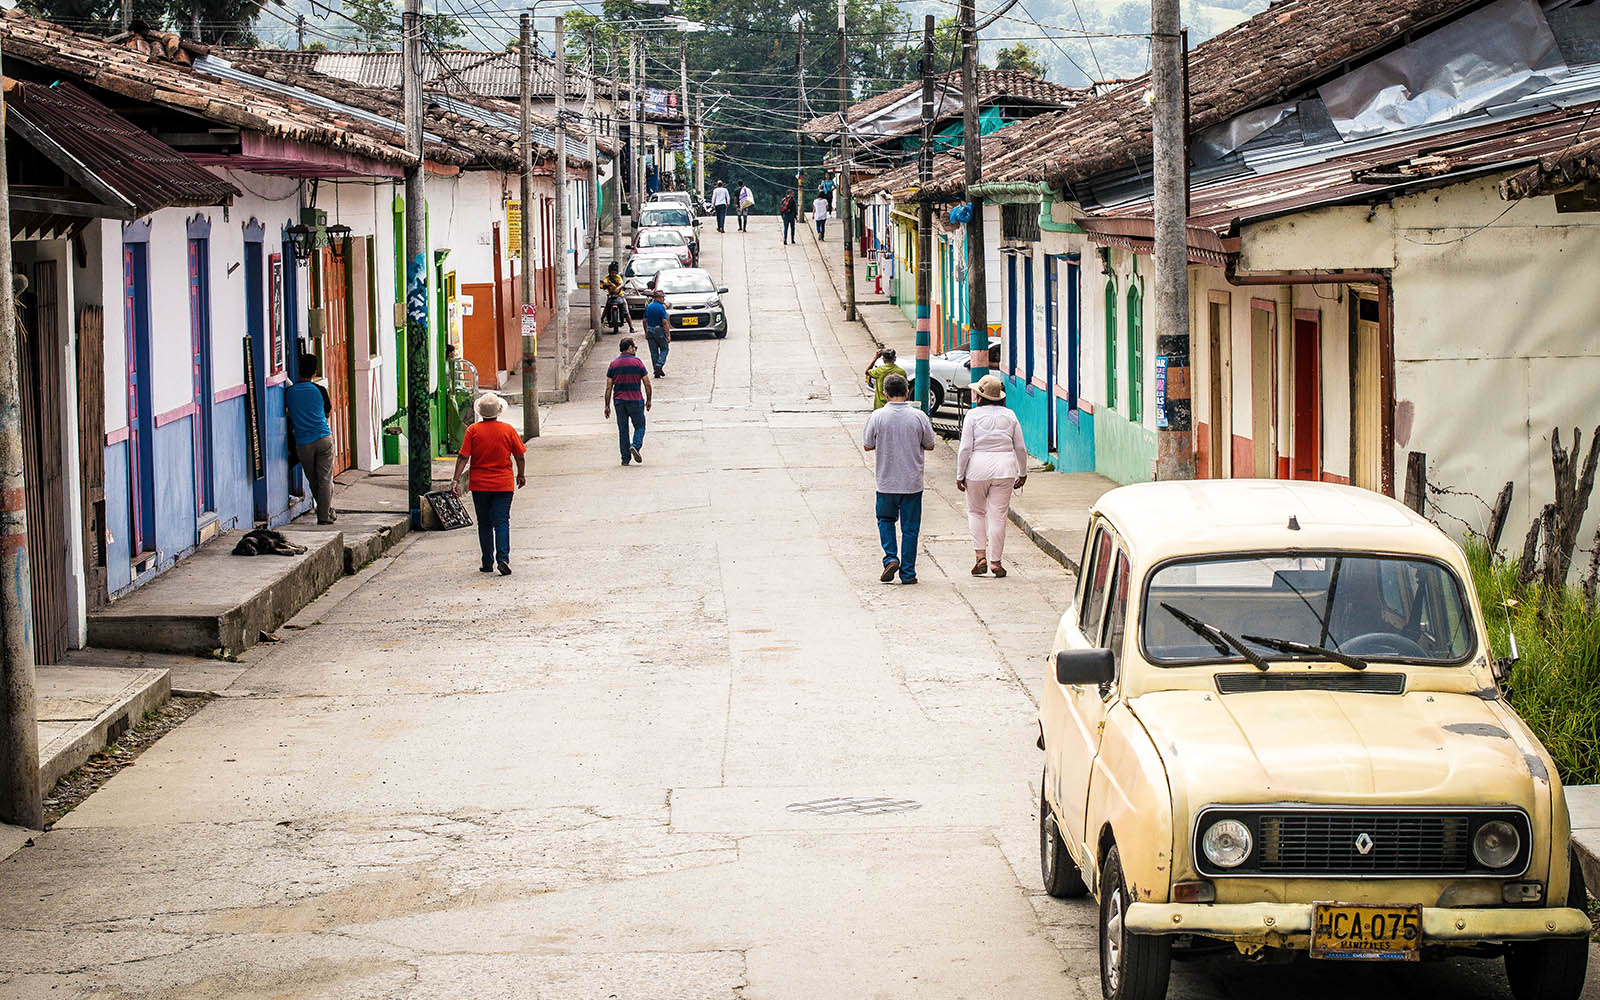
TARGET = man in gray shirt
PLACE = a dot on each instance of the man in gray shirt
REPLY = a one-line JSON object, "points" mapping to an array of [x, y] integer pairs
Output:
{"points": [[900, 436]]}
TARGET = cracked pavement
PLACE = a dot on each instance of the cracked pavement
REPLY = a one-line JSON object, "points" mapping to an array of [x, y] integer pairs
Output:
{"points": [[574, 782]]}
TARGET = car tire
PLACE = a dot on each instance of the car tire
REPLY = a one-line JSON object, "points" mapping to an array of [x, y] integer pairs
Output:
{"points": [[935, 395], [721, 334], [1060, 873], [1132, 966], [1552, 970]]}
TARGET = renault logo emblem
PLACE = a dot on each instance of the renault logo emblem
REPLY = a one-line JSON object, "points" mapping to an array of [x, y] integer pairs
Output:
{"points": [[1363, 844]]}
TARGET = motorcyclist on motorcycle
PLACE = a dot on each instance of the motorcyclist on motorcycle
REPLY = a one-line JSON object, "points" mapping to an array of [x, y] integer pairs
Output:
{"points": [[616, 306]]}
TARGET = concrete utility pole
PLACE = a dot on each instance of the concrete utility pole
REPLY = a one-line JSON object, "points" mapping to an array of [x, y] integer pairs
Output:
{"points": [[419, 453], [925, 216], [530, 327], [977, 284], [1174, 438], [683, 84], [590, 212], [559, 223], [846, 213], [127, 14], [800, 118], [698, 143], [635, 134], [300, 32], [618, 164], [21, 798]]}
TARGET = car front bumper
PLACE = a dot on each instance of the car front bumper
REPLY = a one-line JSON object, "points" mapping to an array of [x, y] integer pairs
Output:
{"points": [[1289, 924]]}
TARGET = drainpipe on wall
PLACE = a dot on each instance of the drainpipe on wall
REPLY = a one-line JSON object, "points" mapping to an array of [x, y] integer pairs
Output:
{"points": [[1385, 336], [1022, 193]]}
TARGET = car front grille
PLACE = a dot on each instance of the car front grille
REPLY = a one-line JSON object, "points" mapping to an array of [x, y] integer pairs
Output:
{"points": [[1334, 843], [703, 320]]}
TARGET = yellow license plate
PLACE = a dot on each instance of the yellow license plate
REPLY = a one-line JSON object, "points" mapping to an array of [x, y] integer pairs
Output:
{"points": [[691, 321], [1359, 931]]}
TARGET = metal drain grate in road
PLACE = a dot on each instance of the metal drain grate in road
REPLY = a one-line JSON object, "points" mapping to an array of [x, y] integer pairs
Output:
{"points": [[855, 805]]}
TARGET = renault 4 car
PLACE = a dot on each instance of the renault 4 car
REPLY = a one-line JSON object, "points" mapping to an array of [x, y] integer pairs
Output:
{"points": [[1272, 719]]}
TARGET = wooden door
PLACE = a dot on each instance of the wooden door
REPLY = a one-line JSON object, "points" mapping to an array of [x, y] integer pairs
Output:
{"points": [[39, 382], [92, 451], [1263, 398], [1366, 411], [1220, 375], [1307, 461], [336, 352]]}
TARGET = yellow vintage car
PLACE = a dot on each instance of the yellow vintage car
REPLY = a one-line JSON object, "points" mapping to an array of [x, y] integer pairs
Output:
{"points": [[1272, 718]]}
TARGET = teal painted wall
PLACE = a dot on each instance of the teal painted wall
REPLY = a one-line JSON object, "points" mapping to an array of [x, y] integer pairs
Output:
{"points": [[1030, 404], [1123, 450], [1074, 439]]}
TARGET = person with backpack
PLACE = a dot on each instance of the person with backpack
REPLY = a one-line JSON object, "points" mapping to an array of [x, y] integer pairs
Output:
{"points": [[787, 210], [746, 201]]}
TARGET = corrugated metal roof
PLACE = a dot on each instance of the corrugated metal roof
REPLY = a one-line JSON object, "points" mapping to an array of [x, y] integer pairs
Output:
{"points": [[490, 74], [145, 171], [993, 86]]}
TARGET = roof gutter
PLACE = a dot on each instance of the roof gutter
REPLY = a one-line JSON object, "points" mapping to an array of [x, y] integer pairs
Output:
{"points": [[1023, 193], [1385, 338]]}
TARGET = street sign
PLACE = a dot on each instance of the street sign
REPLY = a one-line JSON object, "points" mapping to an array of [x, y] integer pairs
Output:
{"points": [[514, 229]]}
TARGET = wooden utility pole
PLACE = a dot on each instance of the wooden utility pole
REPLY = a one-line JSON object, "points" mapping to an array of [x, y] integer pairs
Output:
{"points": [[591, 213], [419, 452], [21, 798], [127, 14], [1174, 437], [683, 91], [300, 31], [925, 216], [530, 324], [697, 144], [618, 164], [972, 142], [559, 223], [846, 213], [636, 135]]}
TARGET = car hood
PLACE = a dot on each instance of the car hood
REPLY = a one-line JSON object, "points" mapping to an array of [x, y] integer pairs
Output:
{"points": [[1341, 747]]}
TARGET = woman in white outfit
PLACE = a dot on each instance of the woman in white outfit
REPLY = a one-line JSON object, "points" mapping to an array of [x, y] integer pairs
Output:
{"points": [[991, 462]]}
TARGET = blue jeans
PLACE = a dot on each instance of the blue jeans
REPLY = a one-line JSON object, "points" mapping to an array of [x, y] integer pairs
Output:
{"points": [[493, 509], [722, 217], [820, 224], [629, 410], [788, 229], [658, 351], [907, 509]]}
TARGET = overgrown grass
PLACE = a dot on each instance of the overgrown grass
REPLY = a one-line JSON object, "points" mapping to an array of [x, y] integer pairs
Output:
{"points": [[1556, 684]]}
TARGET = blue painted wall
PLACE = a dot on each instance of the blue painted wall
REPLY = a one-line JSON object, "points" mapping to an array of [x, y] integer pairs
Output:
{"points": [[1074, 439], [1032, 408], [276, 456], [232, 463], [118, 525], [174, 482]]}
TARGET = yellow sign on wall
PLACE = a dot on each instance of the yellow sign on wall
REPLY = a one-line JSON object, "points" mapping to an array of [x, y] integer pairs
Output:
{"points": [[514, 229]]}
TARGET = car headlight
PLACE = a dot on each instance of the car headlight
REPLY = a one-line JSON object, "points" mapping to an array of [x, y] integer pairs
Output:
{"points": [[1226, 843], [1496, 844]]}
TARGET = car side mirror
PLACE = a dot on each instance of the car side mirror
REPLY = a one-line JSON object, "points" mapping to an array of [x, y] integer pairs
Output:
{"points": [[1085, 666], [1505, 664], [723, 290]]}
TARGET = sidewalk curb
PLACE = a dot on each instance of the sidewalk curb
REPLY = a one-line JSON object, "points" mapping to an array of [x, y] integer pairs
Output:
{"points": [[1021, 519]]}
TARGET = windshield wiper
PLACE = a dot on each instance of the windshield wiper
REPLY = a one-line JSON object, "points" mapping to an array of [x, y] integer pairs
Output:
{"points": [[1219, 639], [1307, 649]]}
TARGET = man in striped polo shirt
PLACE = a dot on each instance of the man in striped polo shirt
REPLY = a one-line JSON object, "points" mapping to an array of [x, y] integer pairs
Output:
{"points": [[628, 383]]}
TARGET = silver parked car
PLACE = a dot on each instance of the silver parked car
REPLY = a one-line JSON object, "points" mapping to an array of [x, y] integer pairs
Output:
{"points": [[694, 302], [641, 270], [673, 216]]}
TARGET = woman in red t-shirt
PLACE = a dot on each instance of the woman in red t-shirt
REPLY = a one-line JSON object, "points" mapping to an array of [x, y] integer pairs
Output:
{"points": [[491, 446]]}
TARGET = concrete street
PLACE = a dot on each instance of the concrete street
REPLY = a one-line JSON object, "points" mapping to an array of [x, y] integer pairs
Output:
{"points": [[591, 779]]}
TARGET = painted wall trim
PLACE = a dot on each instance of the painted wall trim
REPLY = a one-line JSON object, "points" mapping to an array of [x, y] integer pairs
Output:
{"points": [[232, 392], [117, 436], [188, 409]]}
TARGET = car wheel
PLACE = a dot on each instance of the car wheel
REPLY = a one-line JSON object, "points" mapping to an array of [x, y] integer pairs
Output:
{"points": [[721, 334], [1552, 970], [935, 395], [1132, 966], [1062, 879]]}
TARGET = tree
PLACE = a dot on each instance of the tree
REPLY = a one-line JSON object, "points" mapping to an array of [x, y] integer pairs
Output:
{"points": [[1020, 56], [378, 21]]}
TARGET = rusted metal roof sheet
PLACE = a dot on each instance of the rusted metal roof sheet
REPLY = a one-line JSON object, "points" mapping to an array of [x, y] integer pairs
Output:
{"points": [[1578, 163], [145, 171]]}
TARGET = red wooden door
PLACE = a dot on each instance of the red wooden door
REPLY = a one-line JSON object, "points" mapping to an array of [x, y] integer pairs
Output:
{"points": [[1307, 463], [336, 353]]}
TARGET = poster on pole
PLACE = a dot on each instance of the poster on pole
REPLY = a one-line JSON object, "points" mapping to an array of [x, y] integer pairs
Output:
{"points": [[514, 230], [530, 330], [1161, 391]]}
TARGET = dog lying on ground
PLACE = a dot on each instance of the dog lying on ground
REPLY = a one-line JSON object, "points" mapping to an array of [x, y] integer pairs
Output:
{"points": [[266, 542]]}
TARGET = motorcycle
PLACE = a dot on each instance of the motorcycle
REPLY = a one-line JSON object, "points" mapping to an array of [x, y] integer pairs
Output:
{"points": [[615, 314]]}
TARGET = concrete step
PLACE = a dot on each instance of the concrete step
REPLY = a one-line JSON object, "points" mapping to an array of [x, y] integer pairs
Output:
{"points": [[81, 709], [217, 603], [366, 535], [1583, 802]]}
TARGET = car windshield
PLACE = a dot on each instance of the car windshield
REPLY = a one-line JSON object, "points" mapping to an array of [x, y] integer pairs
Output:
{"points": [[661, 238], [643, 267], [665, 217], [1399, 608], [686, 280]]}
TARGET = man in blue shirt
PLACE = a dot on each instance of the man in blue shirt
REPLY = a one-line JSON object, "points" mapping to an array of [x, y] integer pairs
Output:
{"points": [[655, 330], [308, 407]]}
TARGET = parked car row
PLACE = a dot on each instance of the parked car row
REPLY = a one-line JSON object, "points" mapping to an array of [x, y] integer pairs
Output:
{"points": [[665, 254]]}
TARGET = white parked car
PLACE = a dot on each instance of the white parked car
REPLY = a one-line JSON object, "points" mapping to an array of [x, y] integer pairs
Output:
{"points": [[949, 375]]}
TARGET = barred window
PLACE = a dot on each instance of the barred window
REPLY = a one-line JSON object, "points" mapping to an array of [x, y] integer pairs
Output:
{"points": [[1019, 222]]}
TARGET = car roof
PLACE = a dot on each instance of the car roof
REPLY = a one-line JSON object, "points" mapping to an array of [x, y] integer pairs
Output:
{"points": [[655, 253], [664, 230], [674, 197], [1190, 517], [696, 270]]}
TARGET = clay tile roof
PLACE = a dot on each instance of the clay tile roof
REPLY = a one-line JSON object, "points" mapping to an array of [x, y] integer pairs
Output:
{"points": [[993, 86], [1287, 48], [136, 73], [487, 74]]}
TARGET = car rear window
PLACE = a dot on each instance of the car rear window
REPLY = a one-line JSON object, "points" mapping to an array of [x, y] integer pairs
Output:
{"points": [[665, 217]]}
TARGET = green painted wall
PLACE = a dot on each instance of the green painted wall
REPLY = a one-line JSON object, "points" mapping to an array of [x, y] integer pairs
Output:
{"points": [[1123, 450]]}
